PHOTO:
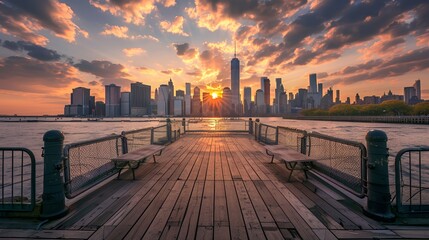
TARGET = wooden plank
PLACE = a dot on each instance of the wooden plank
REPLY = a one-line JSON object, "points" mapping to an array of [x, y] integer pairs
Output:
{"points": [[178, 213], [46, 234], [338, 216], [268, 224], [211, 164], [413, 233], [196, 152], [188, 228], [277, 213], [140, 227], [158, 223], [218, 164], [303, 228], [205, 161], [362, 234], [139, 154], [361, 221], [318, 211], [235, 173], [236, 159], [235, 215], [224, 162], [253, 227], [207, 211], [221, 221]]}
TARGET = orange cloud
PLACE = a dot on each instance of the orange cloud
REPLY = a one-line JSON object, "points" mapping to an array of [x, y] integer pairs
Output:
{"points": [[176, 26], [211, 20], [122, 32], [25, 19], [132, 11], [131, 52]]}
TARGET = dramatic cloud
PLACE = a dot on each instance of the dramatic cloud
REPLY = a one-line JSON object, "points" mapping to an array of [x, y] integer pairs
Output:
{"points": [[35, 51], [176, 26], [132, 11], [412, 61], [24, 19], [30, 75], [122, 32], [103, 69], [172, 71], [131, 52], [184, 51]]}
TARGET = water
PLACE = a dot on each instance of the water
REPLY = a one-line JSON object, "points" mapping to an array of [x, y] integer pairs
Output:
{"points": [[30, 134]]}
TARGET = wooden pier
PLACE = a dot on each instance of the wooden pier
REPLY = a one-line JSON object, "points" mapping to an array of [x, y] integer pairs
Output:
{"points": [[212, 186]]}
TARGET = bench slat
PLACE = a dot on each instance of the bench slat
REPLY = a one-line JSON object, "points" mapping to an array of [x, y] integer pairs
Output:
{"points": [[139, 154]]}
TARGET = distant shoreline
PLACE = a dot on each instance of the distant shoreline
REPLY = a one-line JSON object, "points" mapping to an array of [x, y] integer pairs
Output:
{"points": [[375, 119]]}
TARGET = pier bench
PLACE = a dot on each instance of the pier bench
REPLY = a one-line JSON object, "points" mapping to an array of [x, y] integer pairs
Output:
{"points": [[291, 158], [133, 159]]}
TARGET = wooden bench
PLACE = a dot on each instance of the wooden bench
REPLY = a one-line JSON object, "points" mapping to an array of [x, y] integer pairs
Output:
{"points": [[290, 157], [133, 159]]}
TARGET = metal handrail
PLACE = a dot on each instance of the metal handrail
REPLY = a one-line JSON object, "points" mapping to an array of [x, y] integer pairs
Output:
{"points": [[363, 162], [21, 205], [419, 189]]}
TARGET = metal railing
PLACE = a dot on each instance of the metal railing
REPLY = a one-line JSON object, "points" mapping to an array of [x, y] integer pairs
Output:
{"points": [[292, 138], [267, 134], [341, 160], [18, 179], [216, 125], [136, 138], [412, 180], [87, 163]]}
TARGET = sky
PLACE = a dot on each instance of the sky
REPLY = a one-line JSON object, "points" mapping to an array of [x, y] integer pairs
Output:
{"points": [[49, 47]]}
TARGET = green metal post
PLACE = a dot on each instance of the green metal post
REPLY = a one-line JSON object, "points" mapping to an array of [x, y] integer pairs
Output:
{"points": [[53, 204], [378, 202], [184, 125]]}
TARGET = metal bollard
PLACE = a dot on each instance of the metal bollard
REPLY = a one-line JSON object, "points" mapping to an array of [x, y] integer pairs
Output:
{"points": [[124, 142], [184, 125], [250, 126], [378, 202], [53, 204], [257, 130]]}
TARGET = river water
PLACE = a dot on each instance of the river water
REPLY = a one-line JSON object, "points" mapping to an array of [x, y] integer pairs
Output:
{"points": [[30, 134]]}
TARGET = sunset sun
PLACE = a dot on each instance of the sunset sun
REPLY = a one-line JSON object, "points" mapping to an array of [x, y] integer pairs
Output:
{"points": [[214, 95]]}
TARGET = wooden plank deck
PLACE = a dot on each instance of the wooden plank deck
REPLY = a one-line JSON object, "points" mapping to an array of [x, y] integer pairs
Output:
{"points": [[212, 186]]}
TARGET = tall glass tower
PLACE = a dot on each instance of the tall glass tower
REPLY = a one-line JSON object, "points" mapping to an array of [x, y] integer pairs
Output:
{"points": [[235, 81]]}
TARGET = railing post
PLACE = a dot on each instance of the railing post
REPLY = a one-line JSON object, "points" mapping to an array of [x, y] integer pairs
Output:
{"points": [[257, 130], [169, 130], [151, 135], [53, 204], [124, 142], [250, 126], [277, 135], [184, 125], [304, 144], [378, 202]]}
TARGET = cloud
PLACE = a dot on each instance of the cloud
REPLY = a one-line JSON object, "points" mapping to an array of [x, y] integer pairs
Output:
{"points": [[196, 73], [33, 50], [172, 71], [132, 11], [122, 32], [176, 26], [24, 19], [183, 50], [412, 61], [102, 69], [93, 83], [131, 52], [31, 75]]}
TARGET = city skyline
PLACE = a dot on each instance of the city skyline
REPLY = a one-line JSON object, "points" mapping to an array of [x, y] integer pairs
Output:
{"points": [[50, 47]]}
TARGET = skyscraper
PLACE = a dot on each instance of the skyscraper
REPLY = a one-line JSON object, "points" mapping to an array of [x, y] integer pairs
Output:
{"points": [[418, 89], [247, 100], [171, 97], [409, 92], [259, 100], [188, 88], [235, 82], [313, 83], [113, 100], [266, 89], [125, 104], [140, 99], [196, 103], [163, 97], [277, 96], [81, 96]]}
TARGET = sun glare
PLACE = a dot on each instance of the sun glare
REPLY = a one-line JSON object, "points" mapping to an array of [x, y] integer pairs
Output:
{"points": [[214, 95]]}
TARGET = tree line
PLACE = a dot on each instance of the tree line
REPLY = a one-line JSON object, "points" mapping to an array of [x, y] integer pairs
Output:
{"points": [[387, 108]]}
